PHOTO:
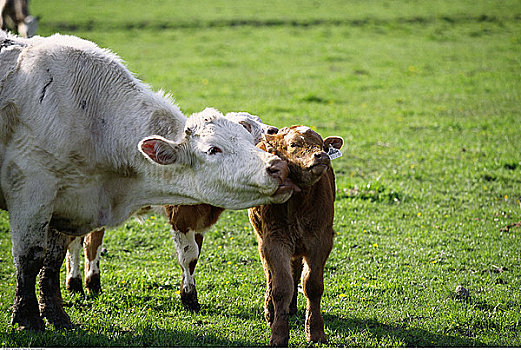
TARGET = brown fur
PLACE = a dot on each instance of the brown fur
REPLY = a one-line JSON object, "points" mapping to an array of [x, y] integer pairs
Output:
{"points": [[192, 217], [296, 237]]}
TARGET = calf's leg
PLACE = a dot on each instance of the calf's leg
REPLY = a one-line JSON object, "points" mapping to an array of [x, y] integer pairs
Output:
{"points": [[188, 247], [296, 270], [51, 305], [278, 262], [72, 262], [92, 246], [313, 285]]}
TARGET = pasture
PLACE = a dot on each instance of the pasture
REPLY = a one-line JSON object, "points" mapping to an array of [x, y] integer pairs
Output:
{"points": [[427, 96]]}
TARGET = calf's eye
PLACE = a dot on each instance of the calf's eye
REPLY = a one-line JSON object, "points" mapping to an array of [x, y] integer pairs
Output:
{"points": [[214, 150], [293, 144]]}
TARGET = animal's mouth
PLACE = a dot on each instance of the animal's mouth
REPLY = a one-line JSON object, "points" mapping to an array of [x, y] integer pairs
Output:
{"points": [[284, 191], [319, 168]]}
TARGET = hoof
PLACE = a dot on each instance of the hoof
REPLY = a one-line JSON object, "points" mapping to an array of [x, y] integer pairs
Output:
{"points": [[279, 342], [189, 300], [74, 285], [317, 338], [53, 311], [32, 323], [93, 284]]}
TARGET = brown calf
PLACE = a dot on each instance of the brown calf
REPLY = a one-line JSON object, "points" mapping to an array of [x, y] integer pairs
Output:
{"points": [[296, 237]]}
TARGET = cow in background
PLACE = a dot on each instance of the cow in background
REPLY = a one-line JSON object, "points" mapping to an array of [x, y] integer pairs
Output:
{"points": [[15, 15]]}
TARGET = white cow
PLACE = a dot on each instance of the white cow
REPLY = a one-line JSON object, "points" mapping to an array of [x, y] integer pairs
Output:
{"points": [[79, 151], [187, 244]]}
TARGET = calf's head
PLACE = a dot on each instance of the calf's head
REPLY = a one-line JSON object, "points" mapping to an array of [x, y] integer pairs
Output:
{"points": [[304, 150], [223, 166]]}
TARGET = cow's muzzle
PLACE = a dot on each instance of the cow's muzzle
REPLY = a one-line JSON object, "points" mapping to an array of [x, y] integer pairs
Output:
{"points": [[278, 170]]}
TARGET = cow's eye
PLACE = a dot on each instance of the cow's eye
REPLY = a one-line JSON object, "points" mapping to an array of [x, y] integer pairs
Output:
{"points": [[214, 150], [294, 145]]}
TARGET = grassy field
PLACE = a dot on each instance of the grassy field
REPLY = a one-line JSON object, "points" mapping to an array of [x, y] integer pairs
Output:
{"points": [[427, 96]]}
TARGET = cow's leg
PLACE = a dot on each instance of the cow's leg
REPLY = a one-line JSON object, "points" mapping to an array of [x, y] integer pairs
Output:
{"points": [[296, 270], [30, 211], [74, 284], [3, 9], [188, 247], [313, 285], [29, 254], [92, 245], [278, 261], [19, 14], [51, 306]]}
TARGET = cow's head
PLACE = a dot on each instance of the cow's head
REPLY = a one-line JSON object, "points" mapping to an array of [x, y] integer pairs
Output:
{"points": [[223, 164], [304, 150]]}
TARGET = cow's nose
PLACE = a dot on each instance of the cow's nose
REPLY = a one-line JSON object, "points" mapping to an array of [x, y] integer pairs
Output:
{"points": [[321, 157], [278, 169], [272, 130]]}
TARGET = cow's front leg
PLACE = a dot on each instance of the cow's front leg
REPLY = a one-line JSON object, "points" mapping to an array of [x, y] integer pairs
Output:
{"points": [[92, 246], [278, 260], [28, 262], [29, 200], [188, 247], [51, 306], [73, 282]]}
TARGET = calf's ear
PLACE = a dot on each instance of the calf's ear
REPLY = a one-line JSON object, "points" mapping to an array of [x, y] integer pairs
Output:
{"points": [[159, 150], [266, 143], [335, 141]]}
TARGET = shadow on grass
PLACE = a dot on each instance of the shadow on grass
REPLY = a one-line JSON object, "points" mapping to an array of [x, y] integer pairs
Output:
{"points": [[140, 337], [410, 336], [345, 327]]}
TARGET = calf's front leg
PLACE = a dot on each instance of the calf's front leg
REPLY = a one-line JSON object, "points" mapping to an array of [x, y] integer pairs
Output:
{"points": [[188, 247], [281, 293], [72, 262], [313, 285], [296, 270], [92, 246]]}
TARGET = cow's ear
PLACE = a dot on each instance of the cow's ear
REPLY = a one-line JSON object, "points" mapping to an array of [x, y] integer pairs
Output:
{"points": [[159, 150], [267, 143], [246, 125], [335, 141]]}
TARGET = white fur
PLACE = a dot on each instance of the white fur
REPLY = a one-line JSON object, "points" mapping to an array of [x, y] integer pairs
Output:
{"points": [[92, 266], [257, 127], [187, 251], [73, 259], [302, 129]]}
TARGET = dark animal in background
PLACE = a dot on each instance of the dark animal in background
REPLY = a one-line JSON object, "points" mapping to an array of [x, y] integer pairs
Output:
{"points": [[296, 237], [15, 15]]}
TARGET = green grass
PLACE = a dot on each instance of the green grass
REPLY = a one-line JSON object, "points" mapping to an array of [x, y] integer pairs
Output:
{"points": [[427, 97]]}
